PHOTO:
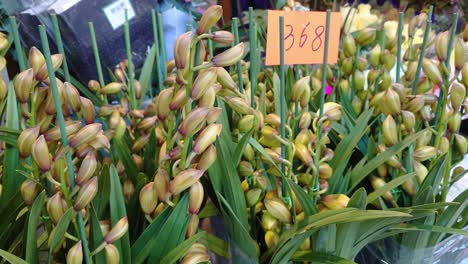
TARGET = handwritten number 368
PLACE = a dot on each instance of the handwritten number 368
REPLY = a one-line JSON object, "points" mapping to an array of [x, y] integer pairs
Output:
{"points": [[316, 41]]}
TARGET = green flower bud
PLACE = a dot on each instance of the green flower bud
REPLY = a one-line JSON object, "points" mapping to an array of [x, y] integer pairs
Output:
{"points": [[374, 57], [75, 254], [444, 145], [55, 207], [366, 36], [118, 231], [271, 239], [349, 45], [196, 193], [161, 184], [211, 16], [387, 59], [192, 226], [325, 171], [206, 138], [332, 111], [268, 221], [40, 154], [225, 79], [29, 191], [411, 71], [305, 120], [357, 105], [415, 105], [26, 140], [85, 135], [389, 131], [378, 183], [424, 153], [457, 95], [409, 120], [112, 254], [204, 80], [299, 88], [359, 80], [36, 59], [347, 66], [223, 37], [278, 210], [239, 105], [362, 64], [441, 45], [253, 196], [162, 103], [454, 122], [230, 56], [148, 198], [432, 72], [23, 84], [465, 75], [390, 103], [461, 144], [86, 194], [459, 54], [207, 158], [303, 154], [184, 180]]}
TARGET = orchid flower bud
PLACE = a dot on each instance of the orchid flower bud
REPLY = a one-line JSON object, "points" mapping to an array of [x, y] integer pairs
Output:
{"points": [[179, 100], [389, 131], [299, 88], [117, 231], [225, 79], [55, 207], [87, 168], [182, 50], [40, 154], [86, 194], [202, 82], [302, 153], [23, 84], [112, 254], [207, 158], [85, 135], [460, 143], [75, 254], [230, 56], [432, 72], [206, 138], [460, 51], [222, 37], [441, 45], [163, 102], [196, 193], [29, 191], [42, 73], [211, 16], [278, 210], [72, 96], [349, 46], [193, 122], [192, 226], [148, 198], [36, 59], [112, 88], [378, 183], [184, 180], [26, 140], [87, 110], [424, 153]]}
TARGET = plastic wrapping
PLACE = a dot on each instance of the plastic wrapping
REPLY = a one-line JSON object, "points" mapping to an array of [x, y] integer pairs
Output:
{"points": [[107, 16]]}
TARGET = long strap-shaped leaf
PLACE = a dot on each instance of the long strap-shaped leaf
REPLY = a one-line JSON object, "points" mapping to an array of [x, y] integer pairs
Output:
{"points": [[11, 258], [31, 242]]}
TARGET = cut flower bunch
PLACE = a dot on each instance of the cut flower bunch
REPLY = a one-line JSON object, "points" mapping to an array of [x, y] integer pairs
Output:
{"points": [[109, 173]]}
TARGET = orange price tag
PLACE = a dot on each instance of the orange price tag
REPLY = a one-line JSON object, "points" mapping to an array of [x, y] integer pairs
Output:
{"points": [[304, 37]]}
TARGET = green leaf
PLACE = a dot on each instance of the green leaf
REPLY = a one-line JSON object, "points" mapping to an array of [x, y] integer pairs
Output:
{"points": [[150, 155], [101, 200], [60, 229], [320, 258], [11, 181], [124, 154], [208, 210], [33, 219], [178, 252], [96, 236], [434, 177], [172, 232], [276, 93], [11, 258], [284, 254], [240, 147], [257, 146], [389, 186], [359, 174], [146, 72], [304, 199], [346, 148], [431, 228], [117, 212], [358, 200], [143, 245], [215, 245]]}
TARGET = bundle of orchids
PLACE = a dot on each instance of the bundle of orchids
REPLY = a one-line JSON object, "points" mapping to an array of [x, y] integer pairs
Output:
{"points": [[109, 173]]}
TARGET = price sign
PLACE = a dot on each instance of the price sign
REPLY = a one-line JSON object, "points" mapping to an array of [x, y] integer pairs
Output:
{"points": [[304, 37]]}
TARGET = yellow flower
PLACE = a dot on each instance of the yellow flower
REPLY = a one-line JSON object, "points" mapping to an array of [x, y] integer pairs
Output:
{"points": [[359, 18]]}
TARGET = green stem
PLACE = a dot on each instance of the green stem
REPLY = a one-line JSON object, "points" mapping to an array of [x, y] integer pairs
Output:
{"points": [[23, 64], [423, 49], [322, 102], [162, 46], [446, 180], [58, 40], [253, 57], [183, 157], [282, 102], [61, 121], [210, 47], [97, 58], [399, 41], [131, 76], [235, 31], [157, 55]]}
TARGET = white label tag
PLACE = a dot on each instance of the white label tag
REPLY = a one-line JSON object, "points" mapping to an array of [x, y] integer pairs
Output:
{"points": [[115, 12]]}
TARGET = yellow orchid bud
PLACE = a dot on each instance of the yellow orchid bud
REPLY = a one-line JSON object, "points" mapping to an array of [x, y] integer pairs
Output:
{"points": [[184, 180], [211, 16], [207, 158], [118, 231], [148, 198], [432, 72], [230, 56], [424, 153], [26, 140], [23, 84], [42, 74], [196, 193], [278, 210], [29, 191], [194, 121], [112, 254], [206, 138], [87, 168], [192, 226], [204, 80], [75, 254], [389, 131], [162, 103], [460, 52], [86, 194], [223, 37], [40, 154], [85, 135]]}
